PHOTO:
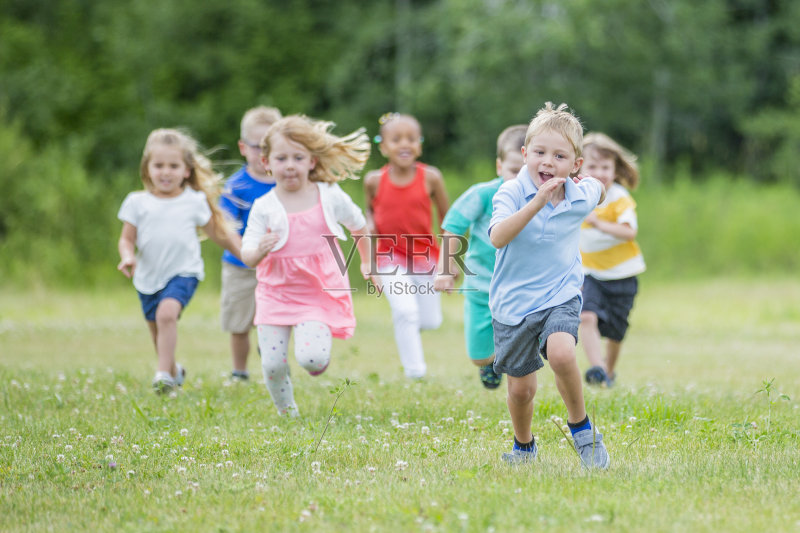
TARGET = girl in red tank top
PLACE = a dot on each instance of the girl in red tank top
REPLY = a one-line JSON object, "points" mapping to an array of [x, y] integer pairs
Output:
{"points": [[399, 200]]}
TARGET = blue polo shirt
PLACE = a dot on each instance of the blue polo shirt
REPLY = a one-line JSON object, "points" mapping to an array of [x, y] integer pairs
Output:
{"points": [[241, 190], [541, 267]]}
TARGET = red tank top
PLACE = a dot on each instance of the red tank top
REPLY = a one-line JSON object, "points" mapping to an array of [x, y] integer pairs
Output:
{"points": [[405, 213]]}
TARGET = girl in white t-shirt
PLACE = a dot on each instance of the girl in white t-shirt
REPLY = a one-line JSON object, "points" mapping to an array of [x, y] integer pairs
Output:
{"points": [[159, 246]]}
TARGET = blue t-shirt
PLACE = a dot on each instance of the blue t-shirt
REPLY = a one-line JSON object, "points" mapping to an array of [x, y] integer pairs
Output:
{"points": [[240, 191], [541, 267], [472, 212]]}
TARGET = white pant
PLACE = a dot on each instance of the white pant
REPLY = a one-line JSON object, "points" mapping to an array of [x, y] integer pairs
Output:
{"points": [[312, 348], [415, 306]]}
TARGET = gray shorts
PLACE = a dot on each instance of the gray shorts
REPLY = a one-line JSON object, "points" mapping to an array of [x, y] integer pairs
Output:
{"points": [[518, 350], [238, 301]]}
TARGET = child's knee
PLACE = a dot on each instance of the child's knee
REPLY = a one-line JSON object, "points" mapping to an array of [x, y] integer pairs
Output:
{"points": [[521, 392], [313, 361], [588, 318], [168, 310], [274, 367], [560, 351], [430, 322]]}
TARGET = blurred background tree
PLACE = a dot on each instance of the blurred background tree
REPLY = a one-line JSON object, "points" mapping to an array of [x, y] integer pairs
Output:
{"points": [[699, 87]]}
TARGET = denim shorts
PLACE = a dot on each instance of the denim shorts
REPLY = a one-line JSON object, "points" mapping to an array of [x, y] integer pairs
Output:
{"points": [[178, 288], [518, 350], [612, 302]]}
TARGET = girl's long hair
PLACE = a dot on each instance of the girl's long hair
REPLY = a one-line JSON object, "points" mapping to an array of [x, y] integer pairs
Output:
{"points": [[626, 169], [338, 158], [202, 176]]}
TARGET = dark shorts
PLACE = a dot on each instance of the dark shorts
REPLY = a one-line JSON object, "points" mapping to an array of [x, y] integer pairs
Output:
{"points": [[519, 349], [612, 302], [178, 288]]}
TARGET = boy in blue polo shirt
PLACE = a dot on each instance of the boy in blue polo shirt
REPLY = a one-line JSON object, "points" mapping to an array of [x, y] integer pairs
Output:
{"points": [[535, 292], [251, 181]]}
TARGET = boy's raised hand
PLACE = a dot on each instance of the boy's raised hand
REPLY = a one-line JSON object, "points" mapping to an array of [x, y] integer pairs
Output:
{"points": [[547, 190]]}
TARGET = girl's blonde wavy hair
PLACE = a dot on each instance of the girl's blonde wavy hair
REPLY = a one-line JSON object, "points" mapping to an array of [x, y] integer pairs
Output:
{"points": [[201, 173], [338, 158], [625, 168]]}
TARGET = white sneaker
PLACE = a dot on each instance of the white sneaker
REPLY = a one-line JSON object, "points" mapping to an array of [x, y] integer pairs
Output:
{"points": [[180, 375], [163, 382]]}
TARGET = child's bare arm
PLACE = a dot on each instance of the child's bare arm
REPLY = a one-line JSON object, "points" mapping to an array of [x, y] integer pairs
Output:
{"points": [[371, 182], [438, 192], [224, 237], [448, 270], [623, 231], [506, 230], [253, 256], [364, 246], [127, 249]]}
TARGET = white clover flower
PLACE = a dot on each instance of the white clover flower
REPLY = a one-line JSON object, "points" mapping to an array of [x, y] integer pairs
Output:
{"points": [[109, 457], [68, 447], [425, 430], [178, 493], [315, 467], [632, 419], [362, 439], [184, 432], [136, 448], [180, 469], [305, 514], [60, 458], [130, 473], [371, 469], [400, 465], [225, 453], [228, 464]]}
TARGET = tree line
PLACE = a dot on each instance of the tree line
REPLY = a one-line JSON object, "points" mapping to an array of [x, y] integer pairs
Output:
{"points": [[707, 86]]}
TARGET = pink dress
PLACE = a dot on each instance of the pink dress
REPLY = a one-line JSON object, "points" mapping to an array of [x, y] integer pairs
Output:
{"points": [[302, 281]]}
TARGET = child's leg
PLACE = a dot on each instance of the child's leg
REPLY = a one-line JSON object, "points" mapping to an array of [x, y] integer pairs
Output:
{"points": [[520, 404], [612, 355], [561, 355], [166, 333], [429, 302], [312, 346], [590, 338], [406, 319], [274, 342], [240, 347]]}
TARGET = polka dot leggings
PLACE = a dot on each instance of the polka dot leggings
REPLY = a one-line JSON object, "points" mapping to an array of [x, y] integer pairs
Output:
{"points": [[312, 349]]}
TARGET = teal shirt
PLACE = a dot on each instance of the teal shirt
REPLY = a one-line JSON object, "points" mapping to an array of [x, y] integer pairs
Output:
{"points": [[472, 212]]}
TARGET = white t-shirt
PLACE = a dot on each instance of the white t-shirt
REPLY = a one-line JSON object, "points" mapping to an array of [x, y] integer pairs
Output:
{"points": [[167, 244]]}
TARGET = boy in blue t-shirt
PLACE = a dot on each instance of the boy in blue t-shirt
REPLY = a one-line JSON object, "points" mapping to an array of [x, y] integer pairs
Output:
{"points": [[238, 304], [535, 292], [472, 213]]}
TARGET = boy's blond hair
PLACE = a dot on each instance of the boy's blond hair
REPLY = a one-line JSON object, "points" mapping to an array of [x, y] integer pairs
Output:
{"points": [[560, 120], [511, 140], [258, 116], [626, 171], [337, 158]]}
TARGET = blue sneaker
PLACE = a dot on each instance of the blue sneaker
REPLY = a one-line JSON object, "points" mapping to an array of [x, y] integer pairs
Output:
{"points": [[596, 376], [489, 378], [519, 457], [589, 444]]}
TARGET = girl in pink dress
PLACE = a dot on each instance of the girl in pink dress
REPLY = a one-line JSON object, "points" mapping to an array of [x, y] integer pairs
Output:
{"points": [[291, 240]]}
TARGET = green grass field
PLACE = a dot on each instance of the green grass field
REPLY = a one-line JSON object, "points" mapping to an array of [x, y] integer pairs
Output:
{"points": [[702, 428]]}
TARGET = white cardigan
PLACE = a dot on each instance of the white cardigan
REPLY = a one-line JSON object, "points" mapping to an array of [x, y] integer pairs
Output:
{"points": [[268, 212]]}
